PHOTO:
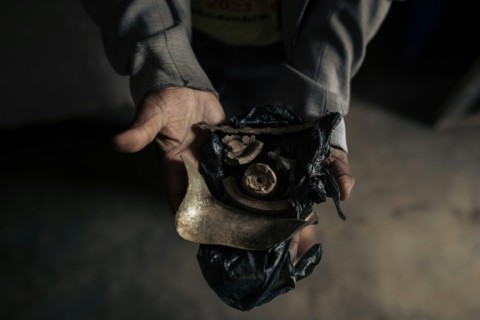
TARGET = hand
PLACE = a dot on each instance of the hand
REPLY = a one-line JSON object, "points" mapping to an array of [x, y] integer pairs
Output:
{"points": [[338, 165], [167, 116]]}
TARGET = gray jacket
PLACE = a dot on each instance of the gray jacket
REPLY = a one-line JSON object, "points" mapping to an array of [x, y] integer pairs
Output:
{"points": [[324, 42]]}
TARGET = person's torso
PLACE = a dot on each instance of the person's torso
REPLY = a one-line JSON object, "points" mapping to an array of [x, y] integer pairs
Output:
{"points": [[238, 22]]}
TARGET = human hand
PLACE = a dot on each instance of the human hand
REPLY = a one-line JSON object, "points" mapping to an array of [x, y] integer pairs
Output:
{"points": [[167, 116], [338, 165]]}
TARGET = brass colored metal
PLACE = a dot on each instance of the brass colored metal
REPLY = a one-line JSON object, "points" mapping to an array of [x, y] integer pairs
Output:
{"points": [[259, 180], [203, 219], [270, 207]]}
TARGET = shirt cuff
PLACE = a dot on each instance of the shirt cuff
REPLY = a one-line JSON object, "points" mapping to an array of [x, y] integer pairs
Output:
{"points": [[309, 100], [338, 138], [166, 60]]}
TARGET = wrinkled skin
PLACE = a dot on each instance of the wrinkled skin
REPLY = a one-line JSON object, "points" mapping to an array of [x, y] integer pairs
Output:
{"points": [[167, 116]]}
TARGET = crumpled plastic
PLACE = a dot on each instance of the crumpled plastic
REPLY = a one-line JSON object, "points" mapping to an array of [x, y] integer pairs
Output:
{"points": [[244, 279]]}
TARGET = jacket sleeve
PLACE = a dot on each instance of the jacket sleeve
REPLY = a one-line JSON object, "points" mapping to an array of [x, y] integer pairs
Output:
{"points": [[324, 51], [150, 41]]}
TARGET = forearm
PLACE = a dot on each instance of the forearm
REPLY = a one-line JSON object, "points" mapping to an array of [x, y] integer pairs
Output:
{"points": [[326, 51], [150, 41]]}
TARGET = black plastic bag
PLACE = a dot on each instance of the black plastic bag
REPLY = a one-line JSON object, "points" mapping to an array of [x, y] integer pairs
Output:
{"points": [[244, 279]]}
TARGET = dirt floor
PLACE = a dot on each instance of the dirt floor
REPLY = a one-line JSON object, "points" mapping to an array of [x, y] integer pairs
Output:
{"points": [[85, 232]]}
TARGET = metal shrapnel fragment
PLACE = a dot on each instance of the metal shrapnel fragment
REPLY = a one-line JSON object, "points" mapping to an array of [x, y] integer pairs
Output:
{"points": [[203, 219], [241, 149], [260, 175], [259, 180]]}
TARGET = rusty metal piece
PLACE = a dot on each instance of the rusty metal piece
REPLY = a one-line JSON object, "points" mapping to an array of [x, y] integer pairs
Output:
{"points": [[203, 219], [259, 180], [241, 149], [255, 131], [270, 207]]}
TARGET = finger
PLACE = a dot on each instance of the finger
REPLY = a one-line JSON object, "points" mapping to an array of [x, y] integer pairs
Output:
{"points": [[176, 179], [340, 169], [134, 139], [301, 242], [293, 249], [345, 184], [307, 239], [176, 182], [148, 123]]}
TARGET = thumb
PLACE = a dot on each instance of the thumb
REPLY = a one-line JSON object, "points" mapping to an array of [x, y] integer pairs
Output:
{"points": [[148, 123]]}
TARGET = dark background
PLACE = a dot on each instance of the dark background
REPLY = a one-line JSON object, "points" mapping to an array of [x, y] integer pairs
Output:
{"points": [[85, 232], [421, 58]]}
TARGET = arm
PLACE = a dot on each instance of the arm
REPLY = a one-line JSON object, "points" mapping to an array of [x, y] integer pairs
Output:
{"points": [[325, 47], [150, 41], [325, 43]]}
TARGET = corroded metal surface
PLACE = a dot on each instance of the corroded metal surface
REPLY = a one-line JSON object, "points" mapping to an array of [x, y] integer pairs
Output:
{"points": [[270, 207], [248, 130], [203, 219], [259, 180], [241, 149]]}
